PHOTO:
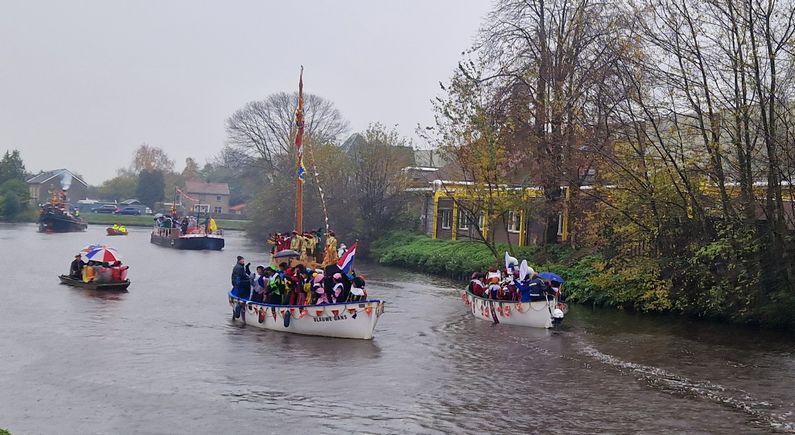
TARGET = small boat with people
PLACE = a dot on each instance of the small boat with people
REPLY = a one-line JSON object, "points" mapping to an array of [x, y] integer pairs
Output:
{"points": [[117, 230], [172, 231], [516, 295], [310, 287], [97, 267]]}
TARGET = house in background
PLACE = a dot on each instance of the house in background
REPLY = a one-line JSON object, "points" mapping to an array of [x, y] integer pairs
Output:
{"points": [[41, 186], [239, 209], [205, 197]]}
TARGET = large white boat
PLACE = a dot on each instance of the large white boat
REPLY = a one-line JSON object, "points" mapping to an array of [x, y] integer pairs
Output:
{"points": [[536, 314], [344, 320]]}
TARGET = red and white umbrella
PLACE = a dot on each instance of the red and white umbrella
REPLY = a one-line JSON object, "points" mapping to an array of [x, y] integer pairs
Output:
{"points": [[104, 254]]}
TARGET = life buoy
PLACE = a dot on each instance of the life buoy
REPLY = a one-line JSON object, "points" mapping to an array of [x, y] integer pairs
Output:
{"points": [[506, 311], [520, 307]]}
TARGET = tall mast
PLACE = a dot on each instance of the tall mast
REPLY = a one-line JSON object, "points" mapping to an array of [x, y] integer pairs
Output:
{"points": [[299, 145]]}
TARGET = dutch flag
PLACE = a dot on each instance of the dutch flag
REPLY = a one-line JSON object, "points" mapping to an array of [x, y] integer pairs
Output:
{"points": [[346, 261]]}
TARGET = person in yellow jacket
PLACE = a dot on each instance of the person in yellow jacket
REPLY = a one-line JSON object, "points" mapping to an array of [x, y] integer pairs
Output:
{"points": [[296, 242], [331, 256], [212, 227]]}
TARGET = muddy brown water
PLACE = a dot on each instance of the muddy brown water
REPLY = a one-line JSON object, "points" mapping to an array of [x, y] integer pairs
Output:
{"points": [[165, 358]]}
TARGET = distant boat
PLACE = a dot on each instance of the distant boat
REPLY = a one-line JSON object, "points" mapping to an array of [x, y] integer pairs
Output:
{"points": [[116, 231], [172, 238], [55, 217]]}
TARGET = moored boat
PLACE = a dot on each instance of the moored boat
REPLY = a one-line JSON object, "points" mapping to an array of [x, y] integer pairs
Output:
{"points": [[341, 320], [92, 285], [546, 313]]}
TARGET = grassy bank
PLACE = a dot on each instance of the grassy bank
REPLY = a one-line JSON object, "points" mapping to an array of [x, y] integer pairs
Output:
{"points": [[146, 221], [589, 279]]}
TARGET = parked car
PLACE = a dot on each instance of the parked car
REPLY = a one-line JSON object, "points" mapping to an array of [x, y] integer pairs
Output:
{"points": [[107, 208], [129, 210]]}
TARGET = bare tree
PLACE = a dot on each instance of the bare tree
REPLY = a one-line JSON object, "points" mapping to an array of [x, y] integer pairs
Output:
{"points": [[265, 129]]}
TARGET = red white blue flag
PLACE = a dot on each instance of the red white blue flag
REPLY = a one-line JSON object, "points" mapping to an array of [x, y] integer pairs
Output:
{"points": [[346, 261]]}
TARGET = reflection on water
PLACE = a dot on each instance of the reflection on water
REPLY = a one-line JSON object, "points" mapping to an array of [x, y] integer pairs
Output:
{"points": [[166, 358]]}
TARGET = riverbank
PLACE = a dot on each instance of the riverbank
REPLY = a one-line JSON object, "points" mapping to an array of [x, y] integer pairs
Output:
{"points": [[632, 284], [146, 221]]}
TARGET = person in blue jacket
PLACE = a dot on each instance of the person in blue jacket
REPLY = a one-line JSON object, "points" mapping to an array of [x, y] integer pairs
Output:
{"points": [[240, 279]]}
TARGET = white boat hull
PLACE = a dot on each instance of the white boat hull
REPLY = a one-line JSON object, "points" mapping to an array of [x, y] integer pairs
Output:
{"points": [[348, 320], [536, 314]]}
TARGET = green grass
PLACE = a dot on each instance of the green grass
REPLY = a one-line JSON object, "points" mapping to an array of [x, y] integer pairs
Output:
{"points": [[4, 432], [146, 221]]}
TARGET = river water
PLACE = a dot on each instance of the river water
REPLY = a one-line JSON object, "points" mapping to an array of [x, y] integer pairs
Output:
{"points": [[165, 358]]}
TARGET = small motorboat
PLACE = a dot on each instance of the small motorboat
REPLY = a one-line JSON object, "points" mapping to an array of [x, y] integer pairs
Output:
{"points": [[117, 231], [342, 320], [536, 314], [92, 285]]}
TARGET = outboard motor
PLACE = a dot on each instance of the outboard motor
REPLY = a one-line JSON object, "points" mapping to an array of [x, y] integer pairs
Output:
{"points": [[557, 317]]}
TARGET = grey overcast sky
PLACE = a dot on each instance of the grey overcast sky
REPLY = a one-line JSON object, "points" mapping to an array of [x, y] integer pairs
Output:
{"points": [[83, 83]]}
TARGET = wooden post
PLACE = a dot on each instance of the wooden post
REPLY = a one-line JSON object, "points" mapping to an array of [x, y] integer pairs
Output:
{"points": [[299, 206], [434, 233], [565, 230], [454, 224]]}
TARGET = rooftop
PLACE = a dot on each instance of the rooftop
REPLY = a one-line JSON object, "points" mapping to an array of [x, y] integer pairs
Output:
{"points": [[195, 186], [45, 176]]}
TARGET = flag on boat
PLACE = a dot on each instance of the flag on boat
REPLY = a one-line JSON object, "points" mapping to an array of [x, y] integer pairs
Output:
{"points": [[346, 261], [299, 125], [301, 169]]}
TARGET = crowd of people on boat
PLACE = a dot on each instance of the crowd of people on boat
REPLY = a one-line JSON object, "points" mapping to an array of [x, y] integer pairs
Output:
{"points": [[97, 271], [514, 283], [296, 285], [312, 246], [187, 225]]}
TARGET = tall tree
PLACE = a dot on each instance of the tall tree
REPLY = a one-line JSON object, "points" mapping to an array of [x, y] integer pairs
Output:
{"points": [[191, 169], [151, 187], [11, 167], [150, 158], [379, 183]]}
